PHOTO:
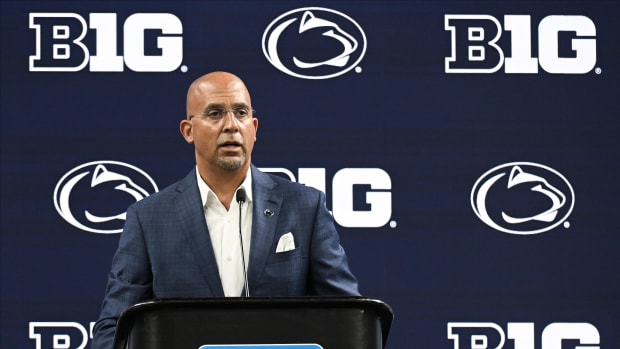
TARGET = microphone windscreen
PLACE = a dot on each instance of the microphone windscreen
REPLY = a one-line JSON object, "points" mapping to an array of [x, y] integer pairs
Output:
{"points": [[241, 195]]}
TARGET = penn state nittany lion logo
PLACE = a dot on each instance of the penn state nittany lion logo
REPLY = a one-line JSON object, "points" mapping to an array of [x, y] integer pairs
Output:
{"points": [[314, 43], [522, 198], [93, 197]]}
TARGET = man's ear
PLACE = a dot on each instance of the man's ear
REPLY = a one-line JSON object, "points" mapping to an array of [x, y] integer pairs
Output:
{"points": [[255, 121], [186, 131]]}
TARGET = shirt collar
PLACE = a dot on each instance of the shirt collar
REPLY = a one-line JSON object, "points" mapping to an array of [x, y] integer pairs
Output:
{"points": [[205, 190]]}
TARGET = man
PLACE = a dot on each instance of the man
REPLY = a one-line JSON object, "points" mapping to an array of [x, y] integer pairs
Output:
{"points": [[184, 241]]}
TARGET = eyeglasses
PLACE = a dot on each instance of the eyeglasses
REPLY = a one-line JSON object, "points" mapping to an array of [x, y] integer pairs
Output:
{"points": [[217, 114]]}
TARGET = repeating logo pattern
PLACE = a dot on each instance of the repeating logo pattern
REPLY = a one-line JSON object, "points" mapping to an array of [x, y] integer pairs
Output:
{"points": [[93, 196], [314, 43], [60, 42], [522, 198], [475, 44]]}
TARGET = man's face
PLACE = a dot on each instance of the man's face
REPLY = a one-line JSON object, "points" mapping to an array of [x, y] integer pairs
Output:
{"points": [[222, 132]]}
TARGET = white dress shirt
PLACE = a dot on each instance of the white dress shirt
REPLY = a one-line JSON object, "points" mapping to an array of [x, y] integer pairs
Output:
{"points": [[224, 232]]}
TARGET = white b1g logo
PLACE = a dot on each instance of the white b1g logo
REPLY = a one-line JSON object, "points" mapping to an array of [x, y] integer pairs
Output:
{"points": [[474, 44], [67, 335], [488, 335], [378, 198], [60, 42]]}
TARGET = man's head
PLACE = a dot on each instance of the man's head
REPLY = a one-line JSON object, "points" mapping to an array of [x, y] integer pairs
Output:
{"points": [[220, 122]]}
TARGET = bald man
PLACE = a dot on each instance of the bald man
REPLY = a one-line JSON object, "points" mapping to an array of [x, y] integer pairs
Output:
{"points": [[184, 241]]}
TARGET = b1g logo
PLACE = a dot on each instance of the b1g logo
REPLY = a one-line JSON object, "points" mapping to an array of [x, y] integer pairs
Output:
{"points": [[66, 335], [93, 196], [522, 198], [152, 42], [314, 43], [370, 186], [488, 335], [566, 44]]}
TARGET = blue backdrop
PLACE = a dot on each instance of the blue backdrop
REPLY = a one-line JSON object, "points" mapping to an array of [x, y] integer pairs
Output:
{"points": [[469, 152]]}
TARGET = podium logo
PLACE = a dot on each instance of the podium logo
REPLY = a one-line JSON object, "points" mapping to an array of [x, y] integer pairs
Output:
{"points": [[522, 198], [151, 42], [566, 44], [314, 43], [482, 335], [93, 196], [263, 346]]}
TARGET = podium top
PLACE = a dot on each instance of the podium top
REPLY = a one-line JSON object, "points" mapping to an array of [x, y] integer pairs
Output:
{"points": [[268, 312]]}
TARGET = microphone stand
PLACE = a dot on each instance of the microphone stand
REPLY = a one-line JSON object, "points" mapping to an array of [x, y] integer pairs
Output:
{"points": [[241, 200]]}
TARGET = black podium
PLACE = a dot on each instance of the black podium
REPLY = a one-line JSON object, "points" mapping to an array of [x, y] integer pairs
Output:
{"points": [[300, 323]]}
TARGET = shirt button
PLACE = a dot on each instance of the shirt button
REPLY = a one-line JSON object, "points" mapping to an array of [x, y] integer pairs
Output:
{"points": [[229, 258]]}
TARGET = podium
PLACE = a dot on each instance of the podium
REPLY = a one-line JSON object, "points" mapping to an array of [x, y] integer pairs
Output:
{"points": [[251, 323]]}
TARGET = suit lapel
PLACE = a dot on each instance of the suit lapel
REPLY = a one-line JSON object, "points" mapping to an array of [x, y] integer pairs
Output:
{"points": [[265, 199], [191, 215]]}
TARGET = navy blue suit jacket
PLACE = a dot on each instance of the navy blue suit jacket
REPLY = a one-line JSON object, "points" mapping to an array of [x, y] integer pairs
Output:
{"points": [[165, 249]]}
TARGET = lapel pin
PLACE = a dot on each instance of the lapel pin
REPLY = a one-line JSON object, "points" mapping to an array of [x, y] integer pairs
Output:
{"points": [[268, 213]]}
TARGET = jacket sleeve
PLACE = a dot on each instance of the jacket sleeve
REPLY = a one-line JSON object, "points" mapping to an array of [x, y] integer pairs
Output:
{"points": [[329, 268], [129, 281]]}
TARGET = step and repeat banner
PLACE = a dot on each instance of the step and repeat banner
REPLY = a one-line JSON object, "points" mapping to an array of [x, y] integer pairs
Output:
{"points": [[469, 152]]}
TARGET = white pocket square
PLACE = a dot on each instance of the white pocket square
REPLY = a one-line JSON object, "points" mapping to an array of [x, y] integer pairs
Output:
{"points": [[286, 243]]}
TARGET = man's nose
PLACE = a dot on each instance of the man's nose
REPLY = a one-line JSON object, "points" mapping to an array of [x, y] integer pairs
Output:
{"points": [[231, 124]]}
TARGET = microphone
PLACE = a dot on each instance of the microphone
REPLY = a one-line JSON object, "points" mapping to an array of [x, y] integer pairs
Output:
{"points": [[241, 199]]}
